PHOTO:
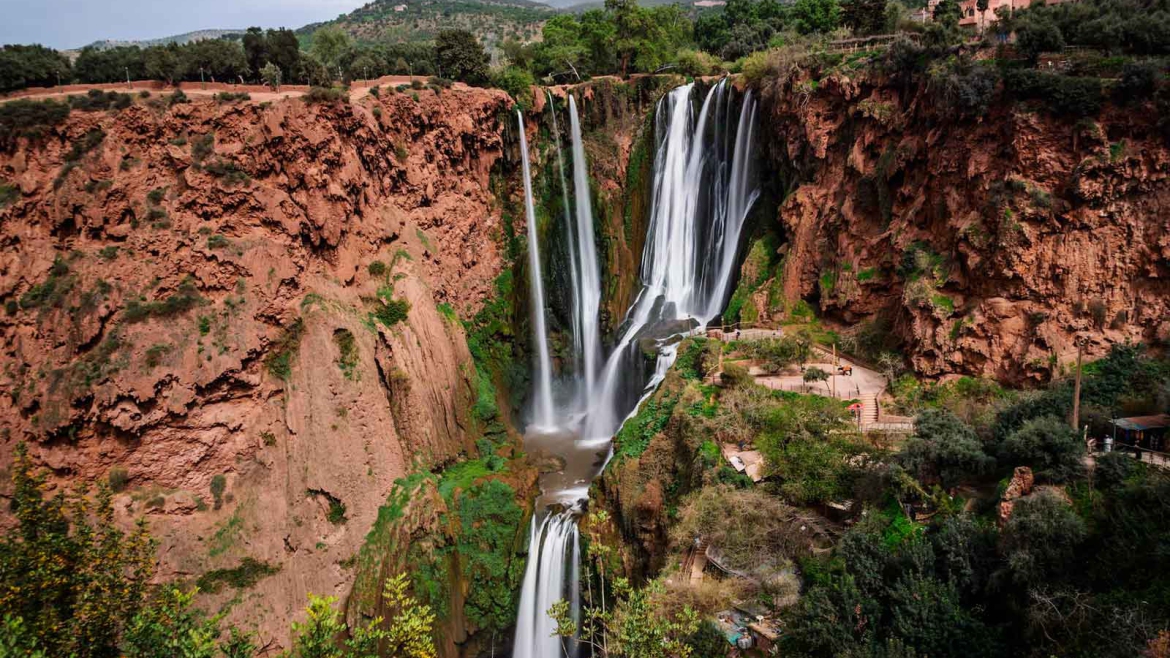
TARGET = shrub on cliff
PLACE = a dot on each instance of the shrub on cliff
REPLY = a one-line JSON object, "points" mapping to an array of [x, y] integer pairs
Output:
{"points": [[517, 82], [325, 95], [31, 119], [1060, 94]]}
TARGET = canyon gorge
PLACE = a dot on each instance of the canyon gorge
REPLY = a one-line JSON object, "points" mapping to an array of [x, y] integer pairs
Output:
{"points": [[331, 342]]}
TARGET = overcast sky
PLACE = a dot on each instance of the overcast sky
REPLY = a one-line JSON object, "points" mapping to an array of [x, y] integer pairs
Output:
{"points": [[75, 23]]}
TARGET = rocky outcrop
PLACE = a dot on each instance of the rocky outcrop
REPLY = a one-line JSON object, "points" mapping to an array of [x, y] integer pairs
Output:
{"points": [[990, 243], [205, 305]]}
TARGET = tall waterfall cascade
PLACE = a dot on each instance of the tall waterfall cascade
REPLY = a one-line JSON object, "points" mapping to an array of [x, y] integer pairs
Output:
{"points": [[588, 281], [704, 186], [542, 378]]}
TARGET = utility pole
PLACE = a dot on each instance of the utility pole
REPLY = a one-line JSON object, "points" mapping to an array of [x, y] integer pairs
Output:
{"points": [[127, 77], [202, 82], [1076, 414], [833, 374], [58, 77]]}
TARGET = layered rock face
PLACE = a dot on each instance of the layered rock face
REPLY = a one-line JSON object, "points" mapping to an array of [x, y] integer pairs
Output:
{"points": [[191, 313], [990, 244]]}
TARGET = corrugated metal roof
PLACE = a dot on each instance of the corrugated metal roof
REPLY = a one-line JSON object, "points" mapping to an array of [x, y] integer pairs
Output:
{"points": [[1143, 423]]}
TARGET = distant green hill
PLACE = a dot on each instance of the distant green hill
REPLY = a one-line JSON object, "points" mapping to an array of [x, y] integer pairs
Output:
{"points": [[400, 21]]}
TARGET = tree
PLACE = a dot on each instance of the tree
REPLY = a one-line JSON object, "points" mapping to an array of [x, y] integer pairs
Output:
{"points": [[1038, 34], [164, 63], [814, 374], [808, 443], [630, 22], [328, 45], [220, 59], [1047, 444], [864, 16], [407, 634], [816, 15], [1041, 537], [67, 571], [461, 57], [947, 13], [944, 449], [283, 49], [31, 66], [981, 6], [270, 75], [169, 627], [561, 49], [255, 48]]}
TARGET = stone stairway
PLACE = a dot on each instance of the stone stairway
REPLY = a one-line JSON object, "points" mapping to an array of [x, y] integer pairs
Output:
{"points": [[869, 409]]}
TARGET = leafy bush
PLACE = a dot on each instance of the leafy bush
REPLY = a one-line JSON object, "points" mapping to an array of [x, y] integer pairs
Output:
{"points": [[97, 101], [30, 119], [8, 194], [232, 97], [325, 95], [178, 98], [1061, 94], [1047, 444], [944, 449], [377, 268], [118, 478], [392, 312], [249, 572], [517, 82], [218, 486], [228, 171], [1041, 537], [280, 355], [696, 63], [184, 298]]}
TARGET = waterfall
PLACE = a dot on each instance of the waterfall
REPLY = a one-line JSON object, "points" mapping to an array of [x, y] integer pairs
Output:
{"points": [[542, 396], [701, 196], [704, 186], [587, 299], [550, 576], [570, 239]]}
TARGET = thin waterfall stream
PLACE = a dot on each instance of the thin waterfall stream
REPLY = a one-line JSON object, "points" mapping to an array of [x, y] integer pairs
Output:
{"points": [[704, 186], [542, 381]]}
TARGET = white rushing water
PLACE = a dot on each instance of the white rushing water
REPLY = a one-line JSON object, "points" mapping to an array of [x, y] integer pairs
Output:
{"points": [[702, 194], [587, 299], [542, 403], [570, 237], [551, 572], [704, 188]]}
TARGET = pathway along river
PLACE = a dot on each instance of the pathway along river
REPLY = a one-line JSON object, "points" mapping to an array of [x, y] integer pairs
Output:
{"points": [[704, 186]]}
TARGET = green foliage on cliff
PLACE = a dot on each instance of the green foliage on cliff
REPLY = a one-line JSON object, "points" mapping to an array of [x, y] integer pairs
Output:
{"points": [[490, 522]]}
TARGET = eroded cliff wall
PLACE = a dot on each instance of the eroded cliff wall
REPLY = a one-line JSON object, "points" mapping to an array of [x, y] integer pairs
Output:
{"points": [[192, 314], [987, 242]]}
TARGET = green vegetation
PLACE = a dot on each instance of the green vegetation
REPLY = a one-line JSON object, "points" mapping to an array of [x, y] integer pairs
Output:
{"points": [[249, 572], [280, 355], [29, 119], [348, 357], [72, 584], [218, 485], [185, 298]]}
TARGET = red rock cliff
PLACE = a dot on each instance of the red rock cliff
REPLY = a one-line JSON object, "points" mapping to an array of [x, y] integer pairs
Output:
{"points": [[190, 297], [991, 242]]}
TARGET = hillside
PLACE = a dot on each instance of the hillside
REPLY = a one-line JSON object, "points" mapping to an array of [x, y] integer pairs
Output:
{"points": [[393, 21], [180, 39]]}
